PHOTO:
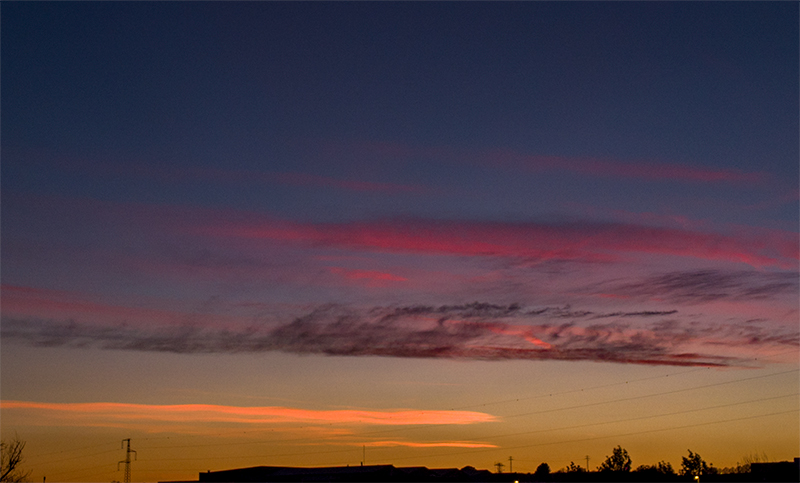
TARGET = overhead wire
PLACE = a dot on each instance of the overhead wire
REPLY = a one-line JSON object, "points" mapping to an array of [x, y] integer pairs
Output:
{"points": [[633, 398], [407, 428], [603, 386], [483, 450], [674, 413], [40, 455]]}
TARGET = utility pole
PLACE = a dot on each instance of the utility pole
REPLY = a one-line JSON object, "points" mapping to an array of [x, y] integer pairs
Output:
{"points": [[127, 460], [499, 467], [587, 462], [510, 465]]}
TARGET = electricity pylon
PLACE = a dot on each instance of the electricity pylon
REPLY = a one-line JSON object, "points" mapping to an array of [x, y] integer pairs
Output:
{"points": [[127, 461]]}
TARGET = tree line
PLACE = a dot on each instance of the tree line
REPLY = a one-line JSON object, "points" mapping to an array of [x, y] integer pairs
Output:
{"points": [[620, 462], [617, 466]]}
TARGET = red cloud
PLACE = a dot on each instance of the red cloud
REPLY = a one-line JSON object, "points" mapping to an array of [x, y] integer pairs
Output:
{"points": [[574, 241], [370, 277]]}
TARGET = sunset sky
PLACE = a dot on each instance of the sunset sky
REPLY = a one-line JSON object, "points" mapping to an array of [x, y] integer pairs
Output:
{"points": [[439, 234]]}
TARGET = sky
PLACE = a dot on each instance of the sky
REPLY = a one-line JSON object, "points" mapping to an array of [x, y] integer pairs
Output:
{"points": [[419, 234]]}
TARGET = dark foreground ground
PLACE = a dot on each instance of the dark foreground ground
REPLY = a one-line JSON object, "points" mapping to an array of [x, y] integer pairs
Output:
{"points": [[781, 471]]}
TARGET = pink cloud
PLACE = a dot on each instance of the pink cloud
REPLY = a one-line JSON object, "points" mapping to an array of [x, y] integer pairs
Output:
{"points": [[31, 302], [594, 242], [59, 304], [369, 277]]}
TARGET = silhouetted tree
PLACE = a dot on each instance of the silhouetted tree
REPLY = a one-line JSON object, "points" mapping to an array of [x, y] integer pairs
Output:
{"points": [[744, 468], [543, 470], [694, 465], [661, 471], [665, 468], [11, 459], [618, 461], [572, 468]]}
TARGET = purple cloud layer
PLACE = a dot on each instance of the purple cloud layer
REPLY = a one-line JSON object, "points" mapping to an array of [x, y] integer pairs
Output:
{"points": [[477, 331]]}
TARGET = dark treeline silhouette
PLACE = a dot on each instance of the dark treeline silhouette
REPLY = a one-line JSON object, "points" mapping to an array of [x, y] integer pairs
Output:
{"points": [[616, 467]]}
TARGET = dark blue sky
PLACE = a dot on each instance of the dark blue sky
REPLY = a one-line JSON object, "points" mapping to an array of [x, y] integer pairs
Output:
{"points": [[266, 87]]}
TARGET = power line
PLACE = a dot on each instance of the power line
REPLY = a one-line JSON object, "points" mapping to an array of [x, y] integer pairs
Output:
{"points": [[662, 429], [40, 455], [504, 401], [304, 453], [417, 427], [639, 418], [632, 398], [604, 386], [407, 428], [484, 450], [83, 456]]}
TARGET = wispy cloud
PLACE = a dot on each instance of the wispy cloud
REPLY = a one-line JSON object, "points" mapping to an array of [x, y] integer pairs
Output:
{"points": [[578, 241], [370, 278], [304, 179], [439, 444], [102, 413], [474, 331], [24, 302], [643, 170], [536, 162], [534, 241], [708, 285]]}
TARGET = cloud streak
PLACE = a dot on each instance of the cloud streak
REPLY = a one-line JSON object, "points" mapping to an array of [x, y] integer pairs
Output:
{"points": [[474, 331], [643, 170], [440, 444], [104, 412], [370, 278], [579, 241], [701, 286], [586, 166]]}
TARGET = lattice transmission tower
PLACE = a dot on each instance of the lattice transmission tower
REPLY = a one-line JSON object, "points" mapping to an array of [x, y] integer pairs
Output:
{"points": [[127, 461]]}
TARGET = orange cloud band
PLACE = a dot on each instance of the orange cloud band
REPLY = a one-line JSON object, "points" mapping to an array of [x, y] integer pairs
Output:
{"points": [[208, 413], [440, 444]]}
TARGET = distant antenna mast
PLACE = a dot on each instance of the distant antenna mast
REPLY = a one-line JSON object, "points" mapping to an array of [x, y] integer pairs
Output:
{"points": [[510, 464], [127, 461], [587, 462]]}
